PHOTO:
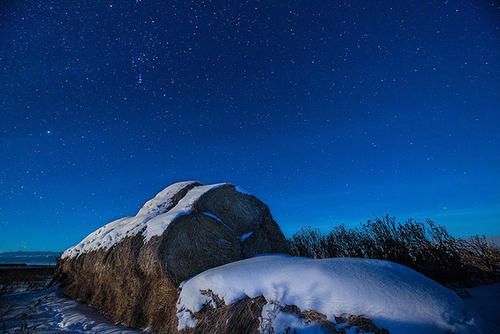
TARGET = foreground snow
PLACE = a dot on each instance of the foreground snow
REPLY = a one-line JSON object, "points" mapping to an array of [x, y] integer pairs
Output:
{"points": [[484, 301], [48, 311], [151, 220], [391, 295]]}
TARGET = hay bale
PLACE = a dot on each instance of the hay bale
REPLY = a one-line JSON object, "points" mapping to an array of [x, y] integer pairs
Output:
{"points": [[130, 269]]}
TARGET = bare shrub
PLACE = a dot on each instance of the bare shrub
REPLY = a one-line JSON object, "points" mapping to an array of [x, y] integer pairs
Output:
{"points": [[478, 252], [425, 247], [308, 243]]}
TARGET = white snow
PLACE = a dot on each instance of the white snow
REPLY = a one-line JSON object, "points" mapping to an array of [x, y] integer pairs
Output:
{"points": [[219, 220], [246, 235], [163, 200], [484, 300], [391, 295], [48, 311], [151, 220], [158, 224], [273, 320], [242, 237], [241, 190], [215, 217]]}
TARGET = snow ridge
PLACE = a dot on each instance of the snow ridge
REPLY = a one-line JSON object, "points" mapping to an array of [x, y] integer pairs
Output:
{"points": [[151, 220]]}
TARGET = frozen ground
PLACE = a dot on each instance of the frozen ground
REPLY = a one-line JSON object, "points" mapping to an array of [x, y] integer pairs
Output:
{"points": [[48, 311]]}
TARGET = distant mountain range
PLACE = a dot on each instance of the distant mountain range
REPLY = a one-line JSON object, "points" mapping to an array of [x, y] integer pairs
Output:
{"points": [[29, 258]]}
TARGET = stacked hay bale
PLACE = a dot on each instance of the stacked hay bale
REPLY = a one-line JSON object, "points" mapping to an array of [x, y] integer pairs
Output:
{"points": [[130, 269]]}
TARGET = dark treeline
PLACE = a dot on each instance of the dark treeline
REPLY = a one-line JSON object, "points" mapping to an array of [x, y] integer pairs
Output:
{"points": [[426, 247]]}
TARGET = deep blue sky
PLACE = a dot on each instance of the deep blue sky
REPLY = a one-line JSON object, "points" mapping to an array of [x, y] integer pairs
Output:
{"points": [[329, 111]]}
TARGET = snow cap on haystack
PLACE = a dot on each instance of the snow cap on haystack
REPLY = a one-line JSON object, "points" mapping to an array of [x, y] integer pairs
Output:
{"points": [[131, 268]]}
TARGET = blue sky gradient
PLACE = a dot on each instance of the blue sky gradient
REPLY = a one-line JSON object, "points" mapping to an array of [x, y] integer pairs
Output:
{"points": [[330, 112]]}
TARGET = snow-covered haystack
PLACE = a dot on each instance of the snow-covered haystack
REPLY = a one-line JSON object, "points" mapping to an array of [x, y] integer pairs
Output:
{"points": [[130, 269], [280, 294]]}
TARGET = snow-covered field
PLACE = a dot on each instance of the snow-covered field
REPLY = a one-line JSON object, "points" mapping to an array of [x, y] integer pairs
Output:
{"points": [[393, 296], [48, 311], [484, 302]]}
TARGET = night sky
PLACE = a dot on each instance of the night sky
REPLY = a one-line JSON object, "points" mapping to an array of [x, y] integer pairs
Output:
{"points": [[329, 111]]}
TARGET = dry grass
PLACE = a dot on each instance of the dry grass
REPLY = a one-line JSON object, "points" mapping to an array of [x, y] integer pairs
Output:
{"points": [[239, 317], [426, 247], [244, 316]]}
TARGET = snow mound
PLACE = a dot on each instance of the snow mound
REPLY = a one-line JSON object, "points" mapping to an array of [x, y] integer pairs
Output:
{"points": [[151, 220], [393, 296]]}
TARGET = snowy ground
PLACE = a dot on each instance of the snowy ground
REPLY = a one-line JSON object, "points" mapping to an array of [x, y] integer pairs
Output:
{"points": [[48, 311], [485, 302]]}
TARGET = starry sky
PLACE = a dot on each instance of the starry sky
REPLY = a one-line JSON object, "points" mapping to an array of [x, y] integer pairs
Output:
{"points": [[329, 111]]}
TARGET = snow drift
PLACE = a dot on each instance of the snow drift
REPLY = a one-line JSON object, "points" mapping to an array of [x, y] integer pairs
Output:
{"points": [[393, 296], [130, 268]]}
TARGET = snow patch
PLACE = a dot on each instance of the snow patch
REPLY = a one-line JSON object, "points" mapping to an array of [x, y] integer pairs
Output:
{"points": [[158, 224], [219, 220], [213, 216], [246, 235], [242, 238], [241, 190], [163, 200], [391, 295], [273, 320], [185, 320], [484, 299]]}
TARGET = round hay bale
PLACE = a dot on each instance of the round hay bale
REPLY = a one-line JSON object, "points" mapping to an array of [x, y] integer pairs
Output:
{"points": [[130, 269]]}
